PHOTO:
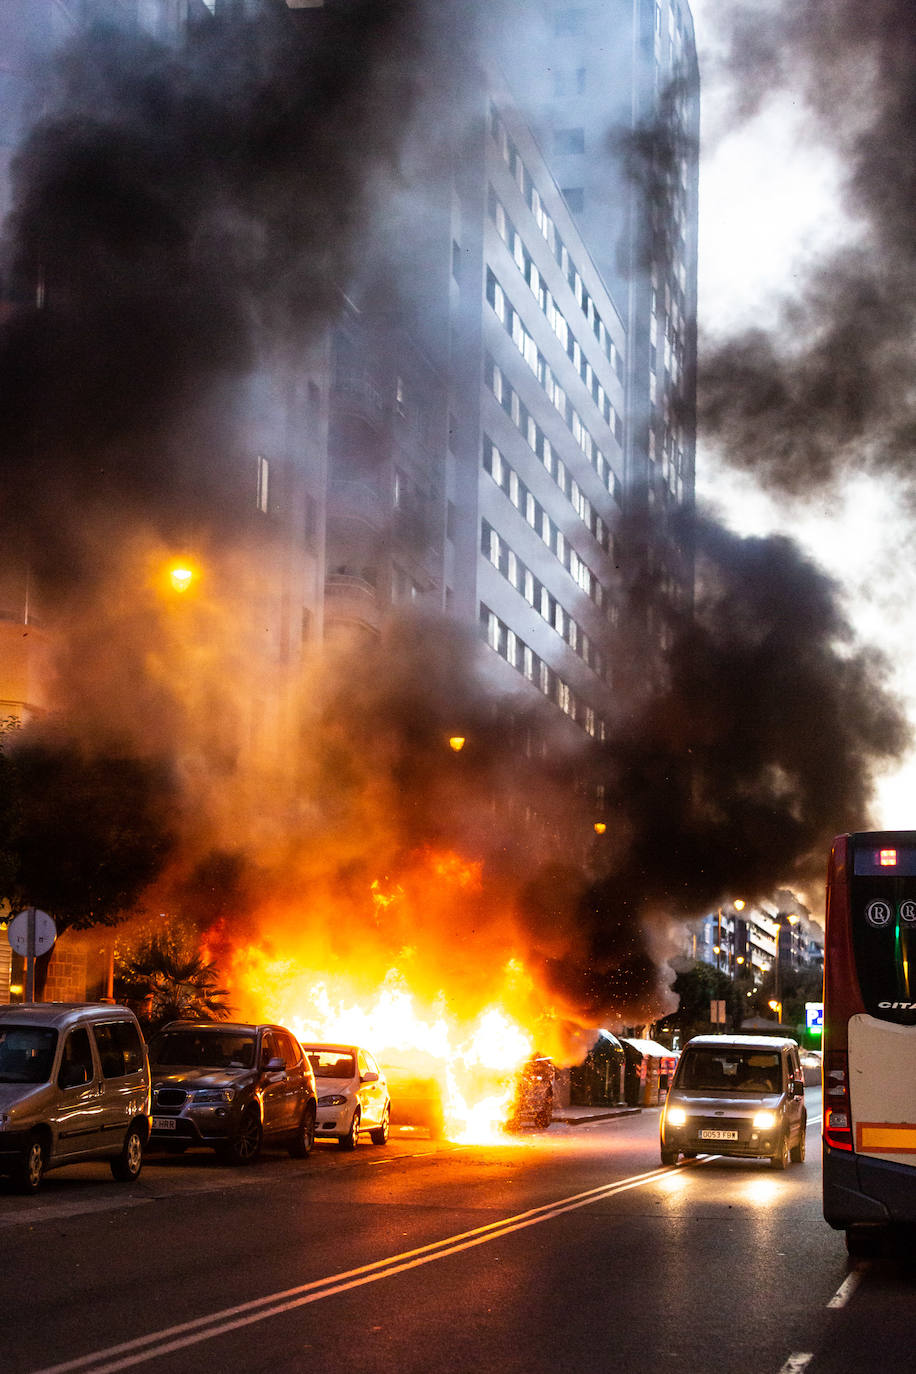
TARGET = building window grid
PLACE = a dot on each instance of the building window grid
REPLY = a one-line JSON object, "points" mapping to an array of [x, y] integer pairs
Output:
{"points": [[532, 667], [510, 155], [555, 317], [536, 516], [556, 394], [546, 454], [507, 563]]}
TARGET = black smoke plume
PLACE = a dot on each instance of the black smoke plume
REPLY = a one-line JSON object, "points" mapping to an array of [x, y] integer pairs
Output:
{"points": [[183, 213], [828, 390]]}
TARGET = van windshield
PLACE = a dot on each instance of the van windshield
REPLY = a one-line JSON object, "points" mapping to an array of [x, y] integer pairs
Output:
{"points": [[730, 1070], [26, 1053]]}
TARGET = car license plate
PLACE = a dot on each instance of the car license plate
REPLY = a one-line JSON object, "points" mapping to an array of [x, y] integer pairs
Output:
{"points": [[163, 1123], [718, 1135]]}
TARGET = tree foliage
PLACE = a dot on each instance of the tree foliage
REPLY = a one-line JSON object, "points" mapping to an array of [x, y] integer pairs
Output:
{"points": [[83, 832], [165, 971]]}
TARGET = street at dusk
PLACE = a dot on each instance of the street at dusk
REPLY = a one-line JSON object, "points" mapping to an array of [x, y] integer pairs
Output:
{"points": [[569, 1249], [457, 694]]}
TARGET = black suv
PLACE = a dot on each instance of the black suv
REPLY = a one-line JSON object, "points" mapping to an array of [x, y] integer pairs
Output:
{"points": [[231, 1087]]}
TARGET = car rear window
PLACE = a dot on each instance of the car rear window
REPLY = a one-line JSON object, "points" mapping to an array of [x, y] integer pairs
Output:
{"points": [[120, 1050]]}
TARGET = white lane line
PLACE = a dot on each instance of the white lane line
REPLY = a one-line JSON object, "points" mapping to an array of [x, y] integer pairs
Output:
{"points": [[846, 1289], [157, 1343], [796, 1363]]}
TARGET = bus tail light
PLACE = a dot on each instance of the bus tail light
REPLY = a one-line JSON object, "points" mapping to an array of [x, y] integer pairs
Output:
{"points": [[837, 1116]]}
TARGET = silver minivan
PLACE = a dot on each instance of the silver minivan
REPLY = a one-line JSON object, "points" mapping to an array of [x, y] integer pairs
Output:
{"points": [[736, 1095], [74, 1085]]}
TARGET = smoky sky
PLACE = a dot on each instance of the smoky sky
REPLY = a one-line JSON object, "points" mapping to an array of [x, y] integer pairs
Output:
{"points": [[829, 389], [185, 216], [731, 776]]}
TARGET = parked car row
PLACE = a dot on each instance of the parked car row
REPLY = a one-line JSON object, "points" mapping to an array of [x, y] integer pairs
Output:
{"points": [[78, 1082]]}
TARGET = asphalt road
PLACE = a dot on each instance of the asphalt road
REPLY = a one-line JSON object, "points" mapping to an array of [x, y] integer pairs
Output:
{"points": [[570, 1249]]}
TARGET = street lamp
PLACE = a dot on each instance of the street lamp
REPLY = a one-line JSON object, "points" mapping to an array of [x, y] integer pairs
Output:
{"points": [[181, 576], [456, 743]]}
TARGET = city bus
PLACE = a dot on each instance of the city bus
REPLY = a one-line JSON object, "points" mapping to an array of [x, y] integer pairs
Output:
{"points": [[869, 1131]]}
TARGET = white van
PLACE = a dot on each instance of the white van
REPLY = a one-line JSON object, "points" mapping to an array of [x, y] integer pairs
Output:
{"points": [[736, 1095], [74, 1085]]}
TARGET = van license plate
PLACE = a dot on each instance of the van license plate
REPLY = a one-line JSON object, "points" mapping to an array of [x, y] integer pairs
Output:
{"points": [[163, 1123], [718, 1135]]}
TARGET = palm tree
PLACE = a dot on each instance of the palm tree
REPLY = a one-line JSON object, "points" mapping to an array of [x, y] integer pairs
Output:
{"points": [[171, 979]]}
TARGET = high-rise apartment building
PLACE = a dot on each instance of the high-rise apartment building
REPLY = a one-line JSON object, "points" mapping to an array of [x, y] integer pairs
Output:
{"points": [[483, 438], [612, 91]]}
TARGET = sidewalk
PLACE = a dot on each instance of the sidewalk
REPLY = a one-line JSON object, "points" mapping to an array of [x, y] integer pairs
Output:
{"points": [[573, 1116]]}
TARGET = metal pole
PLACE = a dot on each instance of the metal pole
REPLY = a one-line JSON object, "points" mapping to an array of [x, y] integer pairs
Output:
{"points": [[30, 958]]}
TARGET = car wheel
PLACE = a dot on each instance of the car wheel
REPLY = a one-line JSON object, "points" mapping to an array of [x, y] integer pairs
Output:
{"points": [[798, 1151], [304, 1139], [245, 1145], [780, 1160], [669, 1156], [379, 1136], [31, 1166], [350, 1140], [127, 1165]]}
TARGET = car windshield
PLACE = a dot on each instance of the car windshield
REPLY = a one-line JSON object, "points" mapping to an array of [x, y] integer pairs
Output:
{"points": [[331, 1063], [26, 1053], [203, 1049], [730, 1070]]}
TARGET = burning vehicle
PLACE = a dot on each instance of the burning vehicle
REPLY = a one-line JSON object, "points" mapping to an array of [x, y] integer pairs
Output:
{"points": [[532, 1102]]}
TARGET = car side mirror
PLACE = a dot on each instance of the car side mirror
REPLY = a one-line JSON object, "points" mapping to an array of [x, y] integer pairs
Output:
{"points": [[276, 1065], [369, 1078]]}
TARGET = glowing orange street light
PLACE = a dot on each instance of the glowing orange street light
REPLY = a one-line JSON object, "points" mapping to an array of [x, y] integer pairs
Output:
{"points": [[457, 743], [777, 1007], [181, 577], [738, 904], [600, 827]]}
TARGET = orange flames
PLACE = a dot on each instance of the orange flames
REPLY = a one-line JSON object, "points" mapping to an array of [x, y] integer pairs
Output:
{"points": [[441, 1008]]}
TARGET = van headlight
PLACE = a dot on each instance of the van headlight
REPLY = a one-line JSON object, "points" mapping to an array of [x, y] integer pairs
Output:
{"points": [[764, 1121], [676, 1116]]}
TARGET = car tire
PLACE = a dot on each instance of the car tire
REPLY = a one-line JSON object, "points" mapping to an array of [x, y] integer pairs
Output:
{"points": [[351, 1139], [798, 1151], [126, 1166], [780, 1160], [301, 1144], [245, 1145], [30, 1166], [669, 1156], [379, 1135]]}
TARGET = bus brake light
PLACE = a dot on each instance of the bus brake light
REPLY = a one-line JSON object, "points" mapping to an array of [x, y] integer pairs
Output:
{"points": [[887, 858], [837, 1116]]}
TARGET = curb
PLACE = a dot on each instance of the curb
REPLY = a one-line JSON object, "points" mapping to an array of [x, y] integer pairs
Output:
{"points": [[564, 1120]]}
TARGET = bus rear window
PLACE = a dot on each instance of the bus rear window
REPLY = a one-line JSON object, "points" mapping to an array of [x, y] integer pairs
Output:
{"points": [[884, 941]]}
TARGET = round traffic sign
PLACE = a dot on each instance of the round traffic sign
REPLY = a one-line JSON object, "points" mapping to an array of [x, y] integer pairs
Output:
{"points": [[44, 928]]}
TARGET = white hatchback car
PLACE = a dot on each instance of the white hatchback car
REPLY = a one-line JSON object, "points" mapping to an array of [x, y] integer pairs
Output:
{"points": [[352, 1094]]}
